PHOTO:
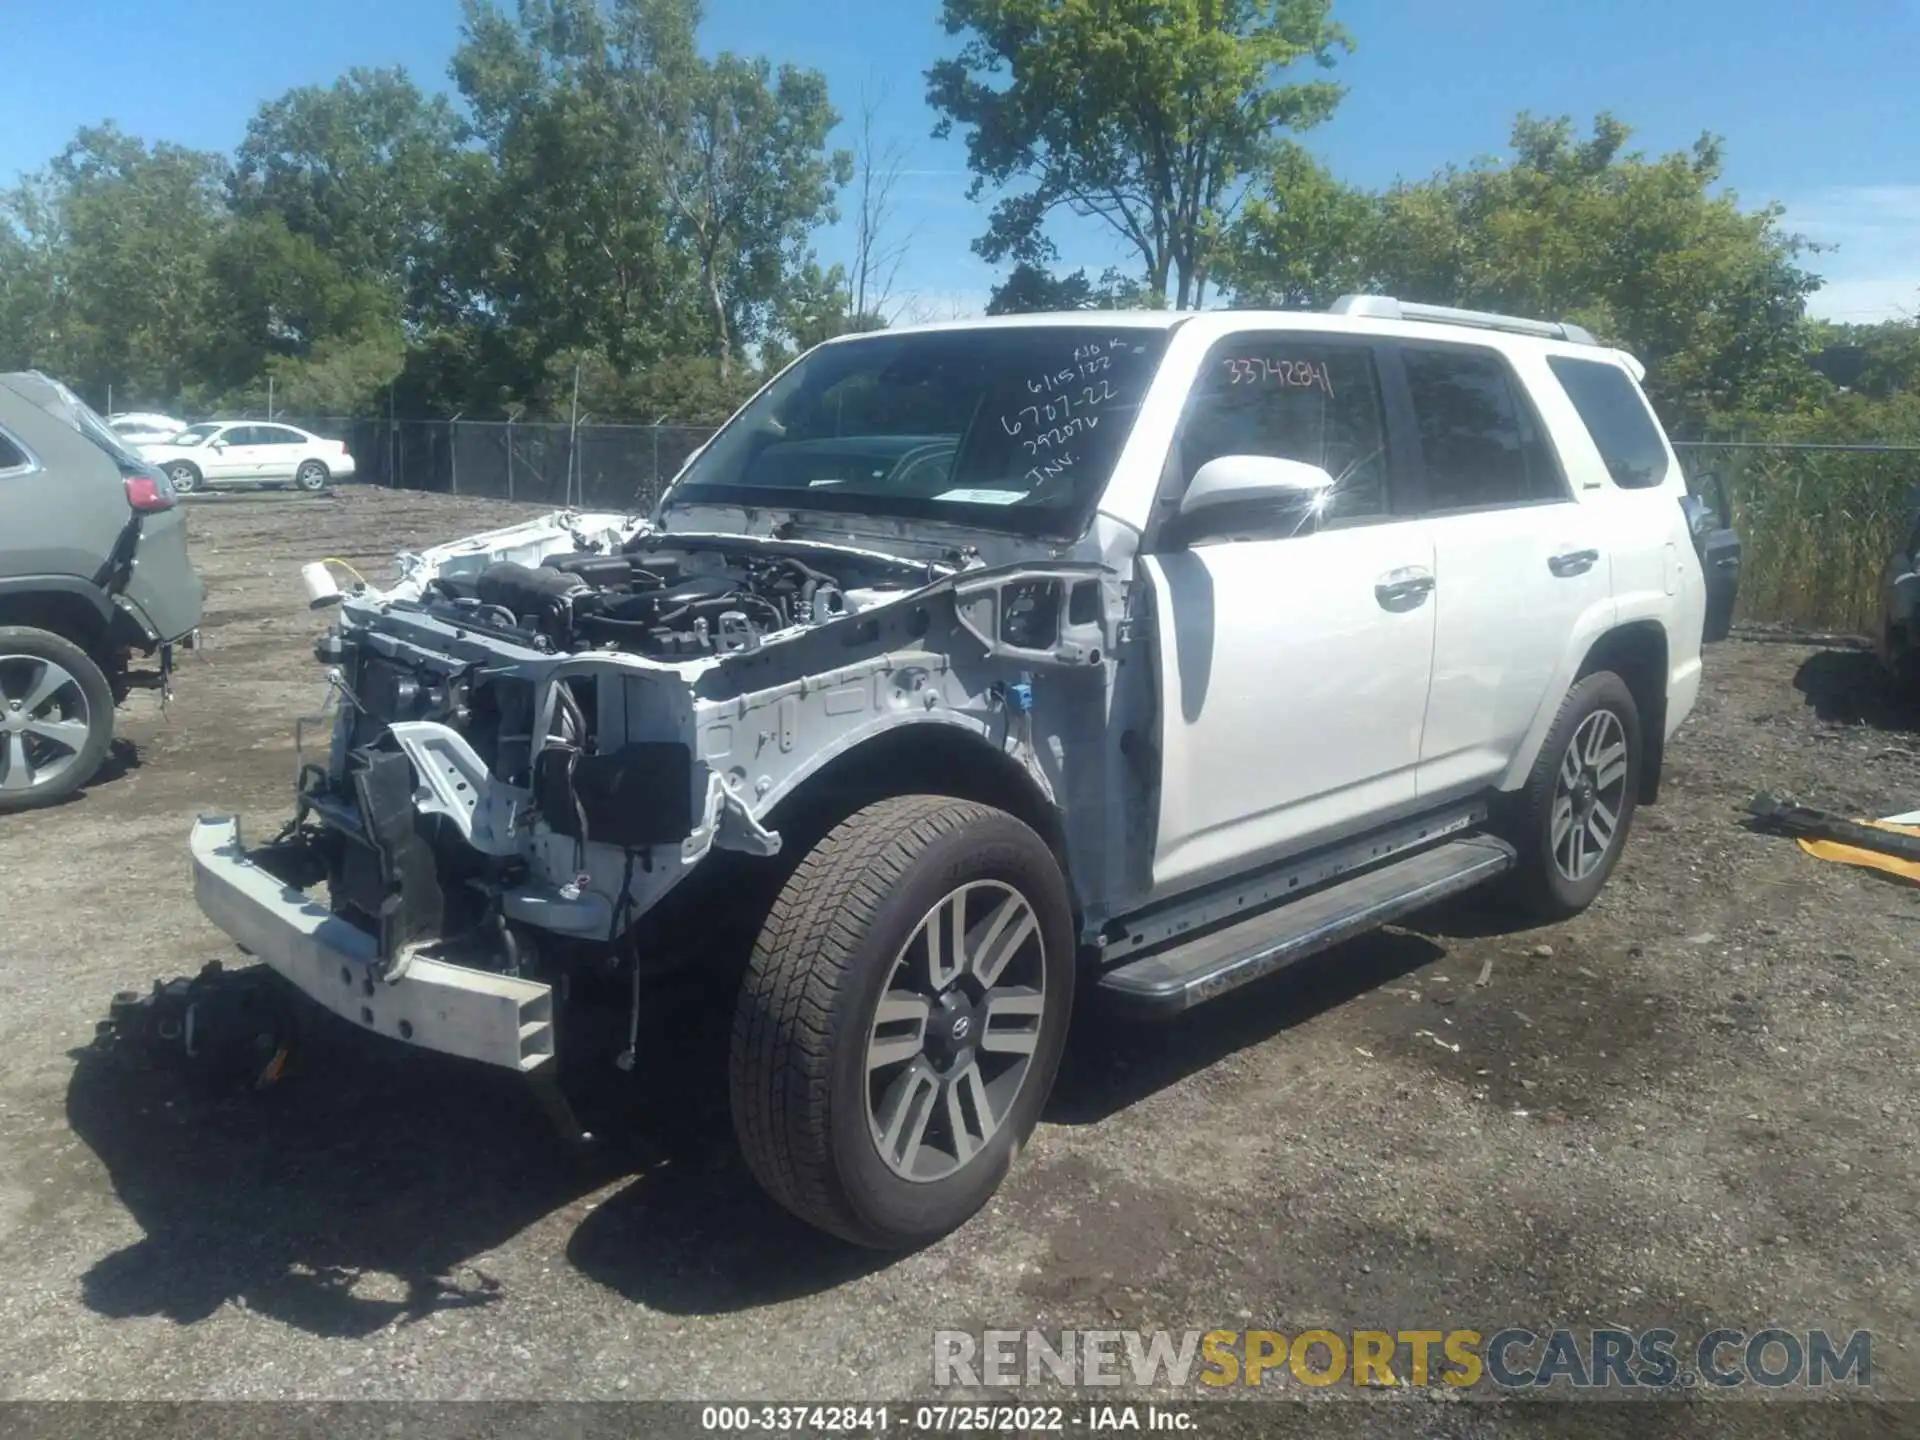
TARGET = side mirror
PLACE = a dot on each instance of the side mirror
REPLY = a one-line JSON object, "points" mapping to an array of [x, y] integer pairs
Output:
{"points": [[1241, 479], [1710, 488], [219, 444]]}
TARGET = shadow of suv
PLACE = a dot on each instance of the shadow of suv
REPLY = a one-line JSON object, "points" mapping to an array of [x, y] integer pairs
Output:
{"points": [[93, 570]]}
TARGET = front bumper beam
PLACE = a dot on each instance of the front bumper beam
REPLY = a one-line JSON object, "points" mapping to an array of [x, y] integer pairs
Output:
{"points": [[497, 1019]]}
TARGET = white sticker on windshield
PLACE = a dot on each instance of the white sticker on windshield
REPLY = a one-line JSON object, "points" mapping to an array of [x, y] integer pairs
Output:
{"points": [[983, 497]]}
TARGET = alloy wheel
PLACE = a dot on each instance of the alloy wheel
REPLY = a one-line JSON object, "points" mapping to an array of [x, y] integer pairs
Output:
{"points": [[955, 1030], [1589, 795], [44, 722]]}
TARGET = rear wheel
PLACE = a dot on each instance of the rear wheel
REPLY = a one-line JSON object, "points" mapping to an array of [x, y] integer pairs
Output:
{"points": [[1569, 824], [902, 1019], [310, 477], [56, 717], [184, 478]]}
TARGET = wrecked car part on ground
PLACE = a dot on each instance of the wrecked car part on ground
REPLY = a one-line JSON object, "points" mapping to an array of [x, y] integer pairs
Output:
{"points": [[966, 661]]}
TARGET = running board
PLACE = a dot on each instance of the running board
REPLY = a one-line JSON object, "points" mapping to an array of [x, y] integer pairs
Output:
{"points": [[1177, 979]]}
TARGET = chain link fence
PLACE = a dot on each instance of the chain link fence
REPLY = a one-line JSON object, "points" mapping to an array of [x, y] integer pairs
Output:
{"points": [[593, 467], [1817, 522]]}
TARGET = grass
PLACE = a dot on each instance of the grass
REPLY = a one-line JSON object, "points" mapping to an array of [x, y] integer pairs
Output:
{"points": [[1817, 529]]}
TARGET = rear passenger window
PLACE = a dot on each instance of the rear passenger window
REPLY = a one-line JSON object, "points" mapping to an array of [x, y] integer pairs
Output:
{"points": [[1293, 397], [1481, 444], [1616, 417], [12, 457]]}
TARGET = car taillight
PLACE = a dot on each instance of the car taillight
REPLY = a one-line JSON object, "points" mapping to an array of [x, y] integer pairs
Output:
{"points": [[148, 492]]}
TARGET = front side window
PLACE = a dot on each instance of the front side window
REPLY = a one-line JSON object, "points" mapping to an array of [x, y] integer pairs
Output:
{"points": [[1293, 397], [1617, 418], [1480, 443], [1014, 428]]}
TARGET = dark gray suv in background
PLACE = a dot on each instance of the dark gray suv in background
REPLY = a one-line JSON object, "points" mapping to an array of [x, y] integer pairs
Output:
{"points": [[93, 571]]}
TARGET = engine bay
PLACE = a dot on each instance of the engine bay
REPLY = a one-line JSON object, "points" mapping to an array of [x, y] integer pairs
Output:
{"points": [[668, 600]]}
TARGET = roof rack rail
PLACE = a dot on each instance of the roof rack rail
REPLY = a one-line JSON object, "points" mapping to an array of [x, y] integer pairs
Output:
{"points": [[1385, 307]]}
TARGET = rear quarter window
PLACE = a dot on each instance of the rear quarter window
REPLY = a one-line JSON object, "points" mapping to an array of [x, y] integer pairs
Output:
{"points": [[1616, 416]]}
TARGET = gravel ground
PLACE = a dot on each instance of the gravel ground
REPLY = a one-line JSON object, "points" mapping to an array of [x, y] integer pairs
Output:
{"points": [[1693, 1106]]}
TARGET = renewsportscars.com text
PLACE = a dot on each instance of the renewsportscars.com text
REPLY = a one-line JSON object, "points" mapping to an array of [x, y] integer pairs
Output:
{"points": [[1513, 1358]]}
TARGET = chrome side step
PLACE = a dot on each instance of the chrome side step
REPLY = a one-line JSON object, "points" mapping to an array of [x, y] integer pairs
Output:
{"points": [[1176, 979]]}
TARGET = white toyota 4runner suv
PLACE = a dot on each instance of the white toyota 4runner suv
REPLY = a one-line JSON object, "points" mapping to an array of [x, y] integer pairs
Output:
{"points": [[972, 664]]}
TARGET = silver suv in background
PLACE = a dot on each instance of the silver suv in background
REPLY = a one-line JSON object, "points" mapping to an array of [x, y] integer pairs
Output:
{"points": [[93, 571]]}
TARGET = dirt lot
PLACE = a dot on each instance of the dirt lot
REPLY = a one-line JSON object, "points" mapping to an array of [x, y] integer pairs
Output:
{"points": [[1693, 1106]]}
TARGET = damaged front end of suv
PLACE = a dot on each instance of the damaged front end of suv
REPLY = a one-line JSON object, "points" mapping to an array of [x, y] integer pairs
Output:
{"points": [[543, 733]]}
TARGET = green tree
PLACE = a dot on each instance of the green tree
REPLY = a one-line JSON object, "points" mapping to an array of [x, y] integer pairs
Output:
{"points": [[562, 241], [1643, 250], [642, 200], [1303, 238], [32, 276], [742, 155], [279, 301], [360, 168], [1033, 289], [1877, 361], [1147, 115], [116, 236]]}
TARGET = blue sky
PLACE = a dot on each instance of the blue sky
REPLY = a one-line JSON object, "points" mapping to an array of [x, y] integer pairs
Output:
{"points": [[1816, 98]]}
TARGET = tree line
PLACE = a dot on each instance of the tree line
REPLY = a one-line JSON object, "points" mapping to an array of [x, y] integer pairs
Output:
{"points": [[597, 203]]}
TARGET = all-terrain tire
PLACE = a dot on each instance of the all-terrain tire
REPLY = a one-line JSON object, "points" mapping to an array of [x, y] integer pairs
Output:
{"points": [[840, 932], [88, 696], [1538, 817]]}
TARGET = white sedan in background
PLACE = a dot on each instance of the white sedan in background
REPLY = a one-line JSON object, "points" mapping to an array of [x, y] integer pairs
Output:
{"points": [[249, 452]]}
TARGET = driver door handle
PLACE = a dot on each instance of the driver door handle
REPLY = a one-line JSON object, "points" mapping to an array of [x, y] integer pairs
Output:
{"points": [[1403, 589], [1574, 562]]}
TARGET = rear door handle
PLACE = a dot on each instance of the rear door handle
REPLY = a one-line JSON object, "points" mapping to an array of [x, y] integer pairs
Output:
{"points": [[1574, 562], [1403, 589]]}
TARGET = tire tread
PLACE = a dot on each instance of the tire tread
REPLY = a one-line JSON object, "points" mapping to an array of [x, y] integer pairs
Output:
{"points": [[783, 1034]]}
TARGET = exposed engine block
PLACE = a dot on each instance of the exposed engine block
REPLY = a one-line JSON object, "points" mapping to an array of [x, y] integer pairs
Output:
{"points": [[661, 603]]}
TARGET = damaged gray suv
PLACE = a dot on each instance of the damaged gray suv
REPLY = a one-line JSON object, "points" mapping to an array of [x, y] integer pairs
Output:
{"points": [[972, 664]]}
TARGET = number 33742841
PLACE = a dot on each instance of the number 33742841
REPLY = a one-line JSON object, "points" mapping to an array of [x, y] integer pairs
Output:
{"points": [[1293, 374]]}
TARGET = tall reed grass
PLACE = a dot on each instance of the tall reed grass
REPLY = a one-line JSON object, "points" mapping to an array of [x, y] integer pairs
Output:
{"points": [[1817, 527]]}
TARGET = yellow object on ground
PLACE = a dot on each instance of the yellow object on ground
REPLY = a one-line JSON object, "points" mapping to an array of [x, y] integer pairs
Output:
{"points": [[1872, 859]]}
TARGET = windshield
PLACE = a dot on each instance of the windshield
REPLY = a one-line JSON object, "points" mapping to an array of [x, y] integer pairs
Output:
{"points": [[1013, 428], [194, 434]]}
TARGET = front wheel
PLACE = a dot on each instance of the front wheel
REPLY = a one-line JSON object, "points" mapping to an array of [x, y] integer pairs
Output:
{"points": [[183, 477], [902, 1018], [1569, 824], [311, 477]]}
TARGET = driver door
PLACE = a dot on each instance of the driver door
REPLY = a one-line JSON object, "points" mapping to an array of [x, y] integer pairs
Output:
{"points": [[1294, 648]]}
